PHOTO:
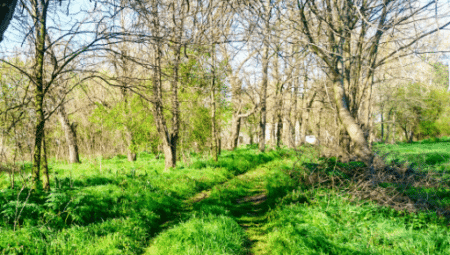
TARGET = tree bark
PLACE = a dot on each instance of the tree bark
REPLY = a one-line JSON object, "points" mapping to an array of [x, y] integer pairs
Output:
{"points": [[279, 129], [46, 177], [6, 14], [131, 154], [40, 30], [361, 147], [38, 134], [214, 147], [235, 129], [263, 113], [71, 137]]}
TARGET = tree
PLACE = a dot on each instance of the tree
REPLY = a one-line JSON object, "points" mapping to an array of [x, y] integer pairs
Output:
{"points": [[47, 67], [342, 35]]}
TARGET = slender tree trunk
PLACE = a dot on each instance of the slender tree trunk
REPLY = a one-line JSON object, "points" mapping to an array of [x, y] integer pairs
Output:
{"points": [[319, 126], [262, 122], [393, 131], [158, 111], [252, 134], [70, 132], [41, 12], [304, 125], [279, 128], [46, 177], [169, 139], [382, 125], [39, 134], [214, 150], [296, 115], [174, 135]]}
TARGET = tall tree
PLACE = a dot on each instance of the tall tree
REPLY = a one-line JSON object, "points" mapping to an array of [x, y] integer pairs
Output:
{"points": [[46, 67], [341, 33]]}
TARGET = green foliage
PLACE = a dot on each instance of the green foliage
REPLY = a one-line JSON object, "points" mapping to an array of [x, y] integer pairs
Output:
{"points": [[130, 115], [422, 110]]}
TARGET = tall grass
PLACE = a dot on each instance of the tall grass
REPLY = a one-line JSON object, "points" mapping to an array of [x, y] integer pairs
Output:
{"points": [[330, 224], [203, 234]]}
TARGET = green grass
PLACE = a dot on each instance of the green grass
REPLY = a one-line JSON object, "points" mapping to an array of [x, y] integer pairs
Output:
{"points": [[204, 234], [331, 224], [247, 202], [432, 154], [109, 206]]}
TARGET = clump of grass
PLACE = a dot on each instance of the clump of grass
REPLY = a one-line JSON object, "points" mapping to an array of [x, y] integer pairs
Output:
{"points": [[202, 234]]}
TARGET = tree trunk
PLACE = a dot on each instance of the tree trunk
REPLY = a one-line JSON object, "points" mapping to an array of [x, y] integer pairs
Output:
{"points": [[170, 160], [411, 136], [319, 126], [46, 177], [174, 134], [382, 125], [131, 154], [214, 149], [39, 134], [71, 137], [296, 117], [235, 129], [279, 129], [393, 129], [40, 30], [169, 139], [6, 14], [361, 147], [251, 133], [263, 117]]}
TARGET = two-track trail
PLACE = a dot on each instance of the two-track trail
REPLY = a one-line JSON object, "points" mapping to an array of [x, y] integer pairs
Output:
{"points": [[248, 200]]}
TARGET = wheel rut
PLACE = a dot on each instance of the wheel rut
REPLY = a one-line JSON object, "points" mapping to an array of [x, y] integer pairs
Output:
{"points": [[246, 199]]}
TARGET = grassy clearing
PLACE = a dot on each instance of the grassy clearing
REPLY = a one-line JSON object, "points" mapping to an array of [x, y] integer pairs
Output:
{"points": [[431, 154], [109, 206]]}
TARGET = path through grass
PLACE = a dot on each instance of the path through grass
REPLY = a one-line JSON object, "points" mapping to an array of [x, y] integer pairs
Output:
{"points": [[244, 200], [267, 211]]}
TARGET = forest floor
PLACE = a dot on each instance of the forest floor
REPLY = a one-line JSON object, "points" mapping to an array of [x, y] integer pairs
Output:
{"points": [[279, 202]]}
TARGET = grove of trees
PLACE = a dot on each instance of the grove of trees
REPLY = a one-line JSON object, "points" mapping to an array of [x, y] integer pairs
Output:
{"points": [[175, 77]]}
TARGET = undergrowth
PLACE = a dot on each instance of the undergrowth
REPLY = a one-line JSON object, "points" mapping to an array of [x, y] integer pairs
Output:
{"points": [[108, 205], [278, 202]]}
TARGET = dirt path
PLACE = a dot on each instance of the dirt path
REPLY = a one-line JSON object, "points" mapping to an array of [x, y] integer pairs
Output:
{"points": [[246, 198]]}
